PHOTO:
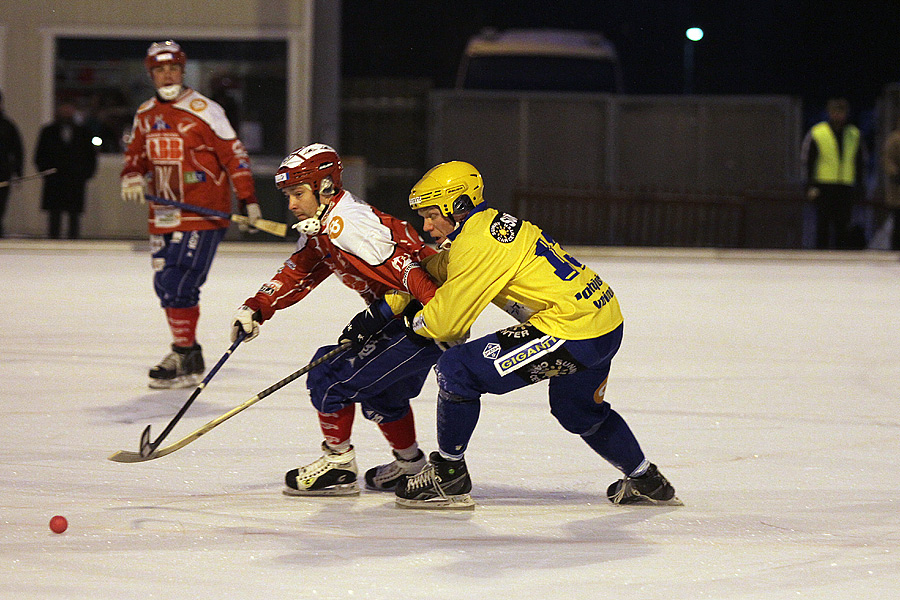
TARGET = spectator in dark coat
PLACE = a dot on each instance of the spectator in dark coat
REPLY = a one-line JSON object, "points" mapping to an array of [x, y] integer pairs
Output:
{"points": [[66, 146], [11, 158]]}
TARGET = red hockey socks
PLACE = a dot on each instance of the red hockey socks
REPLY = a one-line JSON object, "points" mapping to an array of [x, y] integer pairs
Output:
{"points": [[337, 426], [401, 434], [183, 323]]}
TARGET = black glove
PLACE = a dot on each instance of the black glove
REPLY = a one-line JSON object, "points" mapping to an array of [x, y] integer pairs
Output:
{"points": [[365, 325], [408, 315]]}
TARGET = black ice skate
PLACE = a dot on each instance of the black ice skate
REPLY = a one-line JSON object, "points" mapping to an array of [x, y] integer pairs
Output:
{"points": [[384, 478], [441, 484], [651, 488], [182, 367], [333, 474]]}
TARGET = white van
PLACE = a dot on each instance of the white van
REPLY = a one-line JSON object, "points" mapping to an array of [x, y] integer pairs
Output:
{"points": [[540, 59]]}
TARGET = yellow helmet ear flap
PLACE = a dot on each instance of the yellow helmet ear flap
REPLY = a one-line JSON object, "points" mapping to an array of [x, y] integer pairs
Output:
{"points": [[453, 187]]}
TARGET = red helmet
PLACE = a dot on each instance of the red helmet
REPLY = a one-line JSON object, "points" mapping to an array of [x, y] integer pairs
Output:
{"points": [[164, 53], [311, 164]]}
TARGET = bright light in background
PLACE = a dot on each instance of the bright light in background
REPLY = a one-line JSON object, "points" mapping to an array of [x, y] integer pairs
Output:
{"points": [[96, 141], [695, 34]]}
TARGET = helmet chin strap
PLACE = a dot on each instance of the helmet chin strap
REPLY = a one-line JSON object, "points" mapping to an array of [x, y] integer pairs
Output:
{"points": [[312, 225], [169, 92]]}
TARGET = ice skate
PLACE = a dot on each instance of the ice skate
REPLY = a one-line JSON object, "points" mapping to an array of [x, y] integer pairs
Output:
{"points": [[441, 484], [182, 367], [383, 478], [333, 474], [651, 488]]}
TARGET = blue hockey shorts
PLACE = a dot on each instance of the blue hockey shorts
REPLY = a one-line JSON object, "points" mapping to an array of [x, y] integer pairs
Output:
{"points": [[181, 261], [521, 355], [383, 377]]}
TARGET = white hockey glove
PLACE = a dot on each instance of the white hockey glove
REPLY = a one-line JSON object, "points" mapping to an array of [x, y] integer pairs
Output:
{"points": [[246, 320], [253, 215], [133, 188]]}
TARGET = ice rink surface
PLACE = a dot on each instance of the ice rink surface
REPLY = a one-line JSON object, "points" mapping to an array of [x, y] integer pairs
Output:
{"points": [[766, 386]]}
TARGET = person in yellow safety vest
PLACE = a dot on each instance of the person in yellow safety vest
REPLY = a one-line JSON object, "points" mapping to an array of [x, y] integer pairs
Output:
{"points": [[834, 155], [890, 162]]}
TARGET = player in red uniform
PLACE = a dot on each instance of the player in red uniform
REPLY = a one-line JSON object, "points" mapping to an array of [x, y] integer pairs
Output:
{"points": [[183, 148], [374, 254]]}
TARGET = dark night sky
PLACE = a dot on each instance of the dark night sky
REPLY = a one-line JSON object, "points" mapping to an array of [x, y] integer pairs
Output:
{"points": [[805, 48]]}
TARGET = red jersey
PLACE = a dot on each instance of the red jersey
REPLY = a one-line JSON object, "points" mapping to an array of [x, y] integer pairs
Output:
{"points": [[371, 251], [192, 155]]}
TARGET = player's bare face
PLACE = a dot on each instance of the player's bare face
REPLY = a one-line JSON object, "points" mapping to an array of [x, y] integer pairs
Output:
{"points": [[435, 224], [302, 201], [167, 75]]}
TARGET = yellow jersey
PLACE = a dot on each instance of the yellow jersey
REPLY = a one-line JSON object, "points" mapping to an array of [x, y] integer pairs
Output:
{"points": [[498, 258]]}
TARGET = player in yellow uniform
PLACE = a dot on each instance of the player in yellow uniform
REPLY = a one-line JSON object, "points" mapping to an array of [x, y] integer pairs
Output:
{"points": [[570, 327]]}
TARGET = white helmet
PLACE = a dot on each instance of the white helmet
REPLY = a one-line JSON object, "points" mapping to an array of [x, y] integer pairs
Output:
{"points": [[166, 53]]}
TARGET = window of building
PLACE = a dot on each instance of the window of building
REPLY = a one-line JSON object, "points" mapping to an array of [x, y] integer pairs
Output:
{"points": [[106, 80]]}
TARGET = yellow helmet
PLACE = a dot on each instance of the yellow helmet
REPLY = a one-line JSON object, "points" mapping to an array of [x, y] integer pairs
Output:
{"points": [[453, 187]]}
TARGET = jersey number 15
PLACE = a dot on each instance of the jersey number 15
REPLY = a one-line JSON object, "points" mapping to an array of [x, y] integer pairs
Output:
{"points": [[564, 265]]}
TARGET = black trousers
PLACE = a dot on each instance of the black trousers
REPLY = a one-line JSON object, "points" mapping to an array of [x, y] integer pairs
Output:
{"points": [[4, 196], [54, 224], [834, 209], [895, 237]]}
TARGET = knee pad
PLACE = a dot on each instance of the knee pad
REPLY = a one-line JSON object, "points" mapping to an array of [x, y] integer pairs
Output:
{"points": [[167, 284], [445, 396], [580, 418], [318, 383], [455, 380], [382, 415]]}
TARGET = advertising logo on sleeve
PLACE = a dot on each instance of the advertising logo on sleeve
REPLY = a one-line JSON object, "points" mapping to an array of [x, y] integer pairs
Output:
{"points": [[271, 288], [504, 228], [335, 227]]}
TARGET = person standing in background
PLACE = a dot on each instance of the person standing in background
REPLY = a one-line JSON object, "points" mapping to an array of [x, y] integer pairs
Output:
{"points": [[65, 145], [890, 160], [11, 158], [834, 156], [182, 148]]}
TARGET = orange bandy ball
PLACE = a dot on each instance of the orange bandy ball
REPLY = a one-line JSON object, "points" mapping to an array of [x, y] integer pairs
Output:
{"points": [[58, 524]]}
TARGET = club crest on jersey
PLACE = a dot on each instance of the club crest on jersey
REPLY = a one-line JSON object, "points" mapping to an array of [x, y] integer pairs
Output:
{"points": [[159, 124], [491, 351], [504, 228]]}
